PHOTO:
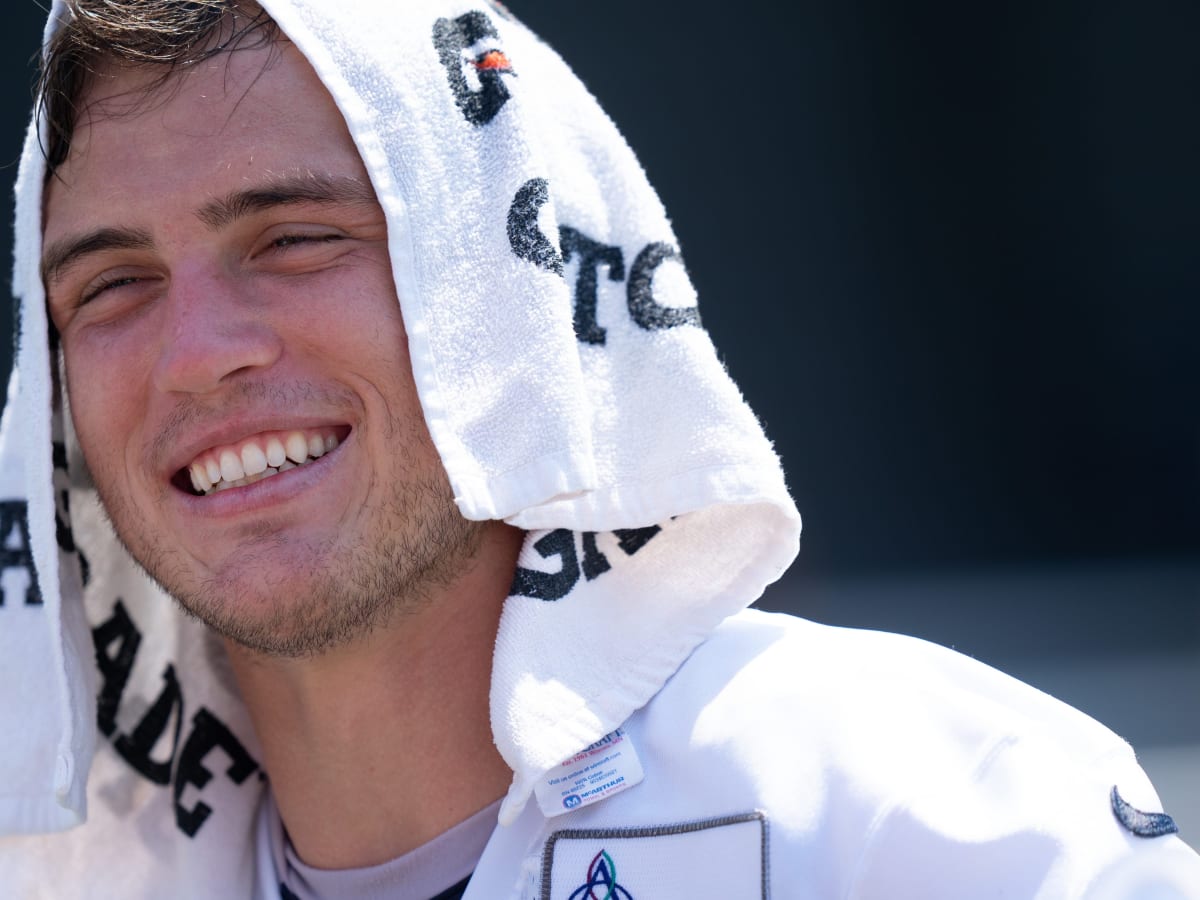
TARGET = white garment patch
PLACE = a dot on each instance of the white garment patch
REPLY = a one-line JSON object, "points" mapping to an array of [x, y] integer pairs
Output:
{"points": [[607, 767], [659, 863]]}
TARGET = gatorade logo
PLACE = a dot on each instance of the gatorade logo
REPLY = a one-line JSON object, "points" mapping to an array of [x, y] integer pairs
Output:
{"points": [[469, 43]]}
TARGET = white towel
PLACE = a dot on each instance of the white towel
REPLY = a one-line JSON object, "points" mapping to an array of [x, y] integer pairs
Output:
{"points": [[568, 385]]}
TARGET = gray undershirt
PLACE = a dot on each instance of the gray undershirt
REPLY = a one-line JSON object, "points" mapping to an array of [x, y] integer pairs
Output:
{"points": [[417, 875]]}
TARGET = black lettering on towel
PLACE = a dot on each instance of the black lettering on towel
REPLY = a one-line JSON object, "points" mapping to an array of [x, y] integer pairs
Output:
{"points": [[137, 746], [62, 511], [643, 308], [114, 662], [16, 553], [524, 236], [595, 563], [592, 255], [550, 585], [451, 37], [208, 733], [561, 543], [117, 640]]}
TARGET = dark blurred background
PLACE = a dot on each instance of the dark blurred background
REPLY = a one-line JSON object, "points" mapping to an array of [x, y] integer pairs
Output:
{"points": [[948, 251]]}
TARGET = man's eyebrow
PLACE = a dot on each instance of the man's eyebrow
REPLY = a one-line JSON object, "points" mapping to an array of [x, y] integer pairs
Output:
{"points": [[64, 253], [284, 191]]}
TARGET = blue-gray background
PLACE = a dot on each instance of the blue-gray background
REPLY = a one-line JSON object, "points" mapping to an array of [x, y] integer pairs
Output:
{"points": [[949, 252]]}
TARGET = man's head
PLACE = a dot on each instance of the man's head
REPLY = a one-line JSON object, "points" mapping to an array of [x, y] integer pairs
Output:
{"points": [[217, 267]]}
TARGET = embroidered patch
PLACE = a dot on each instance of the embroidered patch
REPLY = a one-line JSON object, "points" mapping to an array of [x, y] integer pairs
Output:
{"points": [[659, 862], [1143, 824], [602, 877]]}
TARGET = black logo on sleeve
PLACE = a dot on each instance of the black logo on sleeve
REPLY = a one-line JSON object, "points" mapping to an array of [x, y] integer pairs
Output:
{"points": [[453, 38], [1143, 824]]}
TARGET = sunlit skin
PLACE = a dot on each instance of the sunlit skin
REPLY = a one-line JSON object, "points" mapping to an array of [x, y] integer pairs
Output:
{"points": [[216, 264]]}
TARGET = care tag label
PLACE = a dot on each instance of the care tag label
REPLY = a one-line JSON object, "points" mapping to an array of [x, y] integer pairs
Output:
{"points": [[607, 767]]}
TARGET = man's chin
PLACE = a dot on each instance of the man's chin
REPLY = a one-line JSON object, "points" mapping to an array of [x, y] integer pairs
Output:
{"points": [[283, 601], [304, 592], [290, 623], [330, 597]]}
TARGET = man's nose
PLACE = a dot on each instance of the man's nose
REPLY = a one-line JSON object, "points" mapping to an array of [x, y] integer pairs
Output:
{"points": [[213, 330]]}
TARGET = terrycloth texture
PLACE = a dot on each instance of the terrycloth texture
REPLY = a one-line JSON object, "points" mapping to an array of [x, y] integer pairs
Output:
{"points": [[567, 383], [45, 648]]}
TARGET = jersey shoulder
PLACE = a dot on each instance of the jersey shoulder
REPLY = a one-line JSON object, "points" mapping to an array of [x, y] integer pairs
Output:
{"points": [[878, 683], [889, 766]]}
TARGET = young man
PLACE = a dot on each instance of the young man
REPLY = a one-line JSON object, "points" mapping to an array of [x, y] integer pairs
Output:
{"points": [[380, 360]]}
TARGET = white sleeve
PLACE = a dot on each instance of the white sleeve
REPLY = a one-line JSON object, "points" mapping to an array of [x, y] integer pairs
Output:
{"points": [[1166, 869], [1027, 821]]}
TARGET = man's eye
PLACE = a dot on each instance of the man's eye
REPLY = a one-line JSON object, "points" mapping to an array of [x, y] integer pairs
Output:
{"points": [[290, 240], [106, 284]]}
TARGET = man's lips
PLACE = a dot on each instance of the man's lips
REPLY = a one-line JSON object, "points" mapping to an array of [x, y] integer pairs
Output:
{"points": [[256, 457]]}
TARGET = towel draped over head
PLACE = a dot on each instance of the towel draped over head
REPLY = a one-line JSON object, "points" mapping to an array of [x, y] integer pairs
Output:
{"points": [[566, 379]]}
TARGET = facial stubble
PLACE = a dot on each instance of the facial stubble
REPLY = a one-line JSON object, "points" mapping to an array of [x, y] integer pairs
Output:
{"points": [[420, 543]]}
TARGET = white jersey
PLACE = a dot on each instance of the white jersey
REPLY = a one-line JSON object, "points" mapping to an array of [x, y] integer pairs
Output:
{"points": [[792, 760]]}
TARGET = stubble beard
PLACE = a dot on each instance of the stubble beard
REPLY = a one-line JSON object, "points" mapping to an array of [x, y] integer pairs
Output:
{"points": [[341, 591], [349, 590]]}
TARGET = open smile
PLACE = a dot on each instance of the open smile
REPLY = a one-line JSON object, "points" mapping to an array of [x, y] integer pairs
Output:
{"points": [[256, 457]]}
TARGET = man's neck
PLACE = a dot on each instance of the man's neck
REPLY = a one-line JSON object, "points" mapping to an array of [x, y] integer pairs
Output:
{"points": [[380, 745]]}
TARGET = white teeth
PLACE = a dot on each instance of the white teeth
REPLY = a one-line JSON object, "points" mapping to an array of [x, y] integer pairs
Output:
{"points": [[296, 447], [254, 461], [199, 478], [231, 466], [275, 452], [265, 473]]}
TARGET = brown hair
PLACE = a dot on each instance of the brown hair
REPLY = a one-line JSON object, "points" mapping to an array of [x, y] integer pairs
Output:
{"points": [[171, 34]]}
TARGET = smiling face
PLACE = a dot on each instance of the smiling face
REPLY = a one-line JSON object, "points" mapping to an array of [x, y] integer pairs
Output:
{"points": [[216, 264]]}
